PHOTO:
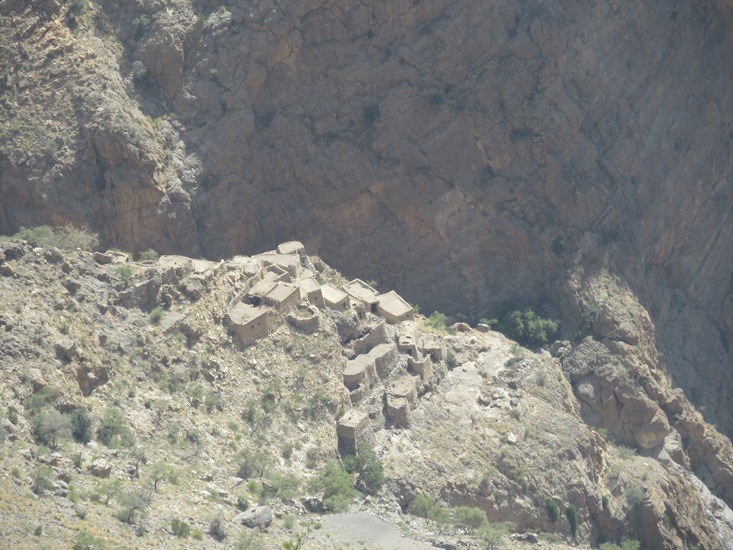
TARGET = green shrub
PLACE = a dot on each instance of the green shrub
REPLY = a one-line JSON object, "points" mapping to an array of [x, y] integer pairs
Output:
{"points": [[42, 235], [250, 541], [217, 528], [70, 238], [81, 425], [251, 413], [242, 504], [113, 429], [87, 541], [148, 254], [253, 487], [421, 506], [451, 360], [571, 512], [634, 495], [368, 467], [282, 486], [44, 397], [13, 415], [625, 452], [287, 451], [319, 404], [156, 315], [492, 534], [140, 24], [469, 517], [553, 511], [213, 402], [49, 426], [77, 460], [605, 502], [77, 7], [124, 272], [180, 528], [67, 238], [270, 396], [41, 479], [336, 485], [371, 114], [625, 545], [527, 328], [437, 321]]}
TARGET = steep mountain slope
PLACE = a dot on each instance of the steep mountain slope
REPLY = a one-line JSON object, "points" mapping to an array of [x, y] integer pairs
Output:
{"points": [[467, 153], [185, 423]]}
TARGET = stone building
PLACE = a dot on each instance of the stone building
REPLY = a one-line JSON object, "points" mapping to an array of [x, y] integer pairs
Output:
{"points": [[364, 293], [335, 298], [249, 322], [394, 308], [311, 291], [354, 430]]}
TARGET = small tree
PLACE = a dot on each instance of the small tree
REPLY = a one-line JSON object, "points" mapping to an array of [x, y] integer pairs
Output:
{"points": [[69, 238], [81, 425], [139, 458], [133, 506], [469, 517], [113, 430], [553, 511], [159, 472], [106, 491], [369, 470], [425, 507], [49, 426], [571, 512], [336, 485], [492, 534], [249, 463]]}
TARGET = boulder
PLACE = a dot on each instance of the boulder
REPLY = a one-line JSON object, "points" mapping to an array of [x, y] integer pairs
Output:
{"points": [[100, 468], [66, 349], [313, 504], [261, 517]]}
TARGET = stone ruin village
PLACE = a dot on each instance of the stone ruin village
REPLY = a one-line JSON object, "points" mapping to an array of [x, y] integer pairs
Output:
{"points": [[388, 364]]}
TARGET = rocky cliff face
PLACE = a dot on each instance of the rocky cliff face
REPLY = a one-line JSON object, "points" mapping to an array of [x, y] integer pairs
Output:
{"points": [[469, 154]]}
